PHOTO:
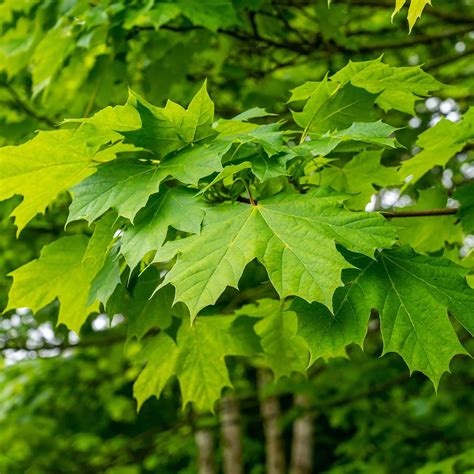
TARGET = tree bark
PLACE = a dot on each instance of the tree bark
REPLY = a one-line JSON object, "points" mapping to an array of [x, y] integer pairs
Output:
{"points": [[302, 443], [271, 414], [231, 435], [205, 447]]}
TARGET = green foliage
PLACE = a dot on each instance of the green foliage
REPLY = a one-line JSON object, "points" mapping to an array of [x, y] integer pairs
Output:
{"points": [[192, 246], [414, 11], [439, 144], [247, 193], [65, 270], [425, 234]]}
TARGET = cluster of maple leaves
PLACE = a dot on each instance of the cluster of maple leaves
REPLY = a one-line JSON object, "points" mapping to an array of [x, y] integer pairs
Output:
{"points": [[184, 206]]}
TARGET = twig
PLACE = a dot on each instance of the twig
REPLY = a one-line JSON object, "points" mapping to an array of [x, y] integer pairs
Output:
{"points": [[447, 59], [408, 42], [23, 105], [422, 213]]}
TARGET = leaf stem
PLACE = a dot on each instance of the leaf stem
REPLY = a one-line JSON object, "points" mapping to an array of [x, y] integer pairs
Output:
{"points": [[247, 188]]}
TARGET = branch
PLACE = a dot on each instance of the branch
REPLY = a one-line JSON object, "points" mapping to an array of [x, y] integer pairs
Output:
{"points": [[99, 341], [287, 45], [422, 213], [447, 59], [23, 105], [421, 39]]}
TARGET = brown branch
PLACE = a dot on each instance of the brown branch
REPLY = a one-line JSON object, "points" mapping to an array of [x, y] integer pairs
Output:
{"points": [[422, 213]]}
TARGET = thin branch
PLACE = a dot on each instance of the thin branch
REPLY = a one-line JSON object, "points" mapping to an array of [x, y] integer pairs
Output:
{"points": [[447, 59], [314, 47], [287, 45], [25, 107], [422, 213], [409, 41]]}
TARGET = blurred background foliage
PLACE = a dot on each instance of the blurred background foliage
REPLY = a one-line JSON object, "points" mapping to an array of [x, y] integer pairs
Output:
{"points": [[66, 402]]}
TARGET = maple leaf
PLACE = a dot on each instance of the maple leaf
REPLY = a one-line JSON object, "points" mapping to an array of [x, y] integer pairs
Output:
{"points": [[333, 106], [45, 166], [147, 308], [64, 270], [414, 11], [107, 279], [176, 207], [465, 195], [168, 129], [358, 176], [126, 185], [284, 351], [397, 87], [350, 139], [49, 55], [439, 144], [197, 359], [413, 295], [276, 232], [327, 334]]}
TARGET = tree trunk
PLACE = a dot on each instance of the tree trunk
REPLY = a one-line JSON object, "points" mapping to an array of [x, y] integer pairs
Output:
{"points": [[270, 410], [231, 436], [302, 444], [205, 447]]}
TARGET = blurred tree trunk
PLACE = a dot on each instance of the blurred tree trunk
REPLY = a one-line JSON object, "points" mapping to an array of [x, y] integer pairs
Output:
{"points": [[231, 435], [303, 432], [271, 414], [205, 447]]}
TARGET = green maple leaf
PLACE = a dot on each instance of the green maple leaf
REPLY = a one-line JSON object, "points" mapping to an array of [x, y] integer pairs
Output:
{"points": [[397, 87], [49, 55], [227, 174], [413, 295], [439, 144], [254, 112], [107, 124], [426, 234], [47, 165], [414, 11], [107, 279], [269, 136], [126, 185], [374, 133], [65, 270], [327, 334], [161, 355], [263, 166], [266, 167], [147, 308], [176, 207], [170, 128], [332, 106], [276, 232], [465, 195], [358, 177], [350, 139], [197, 359], [284, 351]]}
